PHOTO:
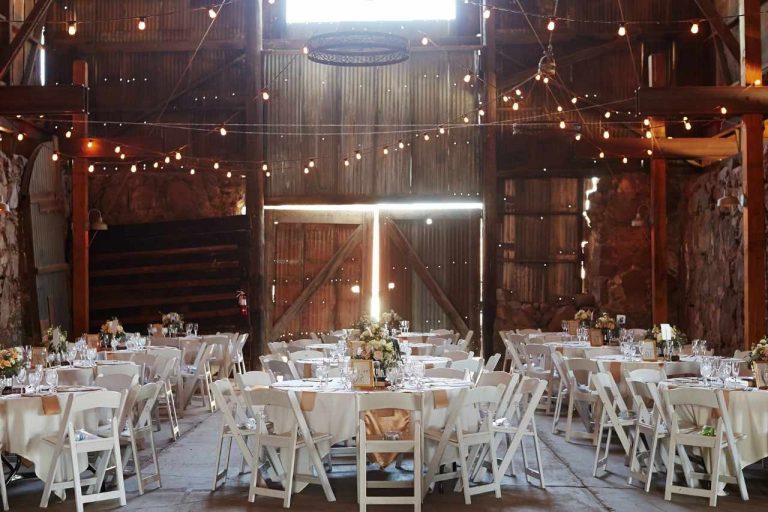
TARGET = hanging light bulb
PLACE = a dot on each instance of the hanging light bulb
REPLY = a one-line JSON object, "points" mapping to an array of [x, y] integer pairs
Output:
{"points": [[723, 110], [212, 13], [68, 134], [156, 165], [142, 25], [426, 136], [601, 155], [481, 112], [134, 168], [264, 167], [486, 13], [546, 80], [223, 131], [385, 150], [192, 172], [425, 41], [518, 92], [695, 27], [265, 94], [624, 160], [687, 125], [55, 157], [167, 159], [400, 144], [89, 144], [311, 162], [346, 162], [178, 156], [20, 137], [562, 124], [559, 108], [577, 136], [441, 130], [647, 122], [229, 174], [648, 134], [574, 100], [267, 174], [305, 50], [649, 152], [467, 77], [72, 28], [122, 156], [551, 24], [118, 149], [607, 114], [216, 165], [91, 168], [622, 29], [515, 106], [306, 170], [606, 134], [358, 155], [466, 119], [505, 98]]}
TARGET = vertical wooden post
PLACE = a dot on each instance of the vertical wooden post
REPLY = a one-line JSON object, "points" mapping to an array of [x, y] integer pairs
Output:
{"points": [[80, 283], [753, 179], [490, 184], [657, 77], [254, 188]]}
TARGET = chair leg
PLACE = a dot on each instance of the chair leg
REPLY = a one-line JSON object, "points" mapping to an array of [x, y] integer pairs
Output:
{"points": [[569, 421], [539, 461], [289, 476], [3, 490], [670, 469], [417, 477], [717, 455], [135, 452], [155, 461], [362, 483], [464, 476], [78, 489], [651, 463]]}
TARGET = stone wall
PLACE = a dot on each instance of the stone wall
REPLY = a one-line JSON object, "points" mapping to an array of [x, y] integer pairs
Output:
{"points": [[155, 196], [618, 267], [11, 289]]}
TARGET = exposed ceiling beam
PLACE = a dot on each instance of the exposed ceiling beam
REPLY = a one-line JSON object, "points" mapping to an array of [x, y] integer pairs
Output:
{"points": [[718, 25], [93, 48], [101, 148], [701, 100], [49, 100], [35, 16], [692, 148]]}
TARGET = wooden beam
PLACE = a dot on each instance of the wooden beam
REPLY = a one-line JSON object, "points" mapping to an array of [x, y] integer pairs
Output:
{"points": [[693, 148], [69, 44], [142, 147], [415, 262], [337, 199], [320, 279], [657, 76], [490, 232], [167, 268], [34, 17], [80, 209], [753, 179], [702, 100], [719, 27], [566, 60], [49, 100]]}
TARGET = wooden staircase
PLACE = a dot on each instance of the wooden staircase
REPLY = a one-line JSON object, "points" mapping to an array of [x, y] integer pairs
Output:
{"points": [[195, 267]]}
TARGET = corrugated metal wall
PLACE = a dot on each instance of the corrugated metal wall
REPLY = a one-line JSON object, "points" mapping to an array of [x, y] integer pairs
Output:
{"points": [[351, 109], [540, 239]]}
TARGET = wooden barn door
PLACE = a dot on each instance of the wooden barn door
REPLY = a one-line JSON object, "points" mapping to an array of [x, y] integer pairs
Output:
{"points": [[318, 271], [430, 268], [49, 228]]}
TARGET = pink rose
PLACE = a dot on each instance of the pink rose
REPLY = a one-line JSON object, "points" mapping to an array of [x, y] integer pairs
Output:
{"points": [[378, 355]]}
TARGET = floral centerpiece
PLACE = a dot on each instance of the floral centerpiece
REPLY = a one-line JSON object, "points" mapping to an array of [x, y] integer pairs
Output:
{"points": [[759, 352], [583, 316], [10, 361], [679, 338], [173, 322], [363, 323], [112, 329], [391, 319], [55, 340], [605, 321], [376, 345]]}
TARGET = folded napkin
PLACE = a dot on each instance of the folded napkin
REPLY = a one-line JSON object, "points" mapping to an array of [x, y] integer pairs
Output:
{"points": [[440, 398], [51, 405], [307, 400], [307, 370]]}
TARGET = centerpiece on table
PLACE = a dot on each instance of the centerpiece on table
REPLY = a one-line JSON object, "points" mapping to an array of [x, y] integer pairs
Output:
{"points": [[676, 336], [607, 324], [378, 346], [583, 316], [390, 319], [173, 323], [111, 330], [10, 361], [55, 342], [758, 360]]}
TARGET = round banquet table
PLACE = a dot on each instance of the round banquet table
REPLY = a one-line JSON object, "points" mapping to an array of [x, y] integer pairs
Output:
{"points": [[322, 347], [617, 364], [416, 337], [421, 348], [24, 424], [332, 410], [81, 374]]}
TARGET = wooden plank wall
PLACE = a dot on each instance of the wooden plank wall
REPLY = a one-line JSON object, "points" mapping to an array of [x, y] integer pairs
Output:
{"points": [[193, 267]]}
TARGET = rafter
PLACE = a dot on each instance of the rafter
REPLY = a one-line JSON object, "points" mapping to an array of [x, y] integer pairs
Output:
{"points": [[709, 10], [36, 15]]}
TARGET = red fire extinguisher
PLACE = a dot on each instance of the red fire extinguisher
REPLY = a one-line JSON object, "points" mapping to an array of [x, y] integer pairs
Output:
{"points": [[242, 301]]}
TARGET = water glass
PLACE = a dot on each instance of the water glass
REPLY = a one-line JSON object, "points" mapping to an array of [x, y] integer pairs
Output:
{"points": [[52, 379], [705, 367], [322, 374], [21, 377], [35, 378], [736, 369], [90, 354], [564, 326]]}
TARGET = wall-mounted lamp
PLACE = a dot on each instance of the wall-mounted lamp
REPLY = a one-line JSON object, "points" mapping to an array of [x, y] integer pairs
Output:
{"points": [[727, 203], [96, 223]]}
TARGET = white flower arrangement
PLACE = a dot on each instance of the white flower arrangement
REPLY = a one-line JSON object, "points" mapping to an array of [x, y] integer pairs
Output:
{"points": [[55, 340], [378, 346]]}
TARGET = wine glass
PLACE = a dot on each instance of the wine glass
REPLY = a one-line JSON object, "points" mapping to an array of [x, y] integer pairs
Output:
{"points": [[21, 377], [90, 354], [52, 379], [322, 374], [735, 369], [150, 330], [564, 326], [705, 367], [34, 379], [71, 355]]}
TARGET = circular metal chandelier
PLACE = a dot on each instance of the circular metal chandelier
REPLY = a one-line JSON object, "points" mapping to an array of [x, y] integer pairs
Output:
{"points": [[358, 49]]}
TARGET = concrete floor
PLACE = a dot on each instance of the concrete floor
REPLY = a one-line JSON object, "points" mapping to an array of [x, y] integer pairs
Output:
{"points": [[187, 467]]}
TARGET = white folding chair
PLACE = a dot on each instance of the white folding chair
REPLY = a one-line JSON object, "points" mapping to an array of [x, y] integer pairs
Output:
{"points": [[3, 491], [473, 366], [613, 417], [238, 359], [288, 441], [685, 430], [457, 355], [407, 442], [513, 343], [438, 344], [221, 359], [279, 368], [77, 442], [330, 338], [165, 377], [651, 429], [581, 397], [117, 382], [305, 354], [278, 347], [484, 401], [252, 378], [527, 332], [127, 368], [492, 362], [562, 388], [524, 403], [140, 428], [446, 373], [540, 366], [199, 377]]}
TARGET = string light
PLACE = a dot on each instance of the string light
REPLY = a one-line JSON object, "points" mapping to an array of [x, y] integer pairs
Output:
{"points": [[385, 150], [574, 100], [551, 24], [648, 134], [212, 13], [606, 134], [229, 174], [622, 29], [265, 94], [167, 159], [346, 162], [192, 172], [559, 108], [426, 136], [358, 155], [142, 23], [723, 110], [577, 136], [311, 162], [481, 112], [607, 114], [68, 134], [20, 137], [647, 122], [223, 131], [72, 28], [687, 125], [133, 168], [695, 27], [264, 167], [267, 174], [624, 160], [89, 144], [122, 156], [562, 124], [537, 77], [486, 13], [505, 98], [518, 92], [306, 170], [546, 80], [649, 152], [467, 77], [515, 106], [441, 130], [601, 155], [400, 144], [305, 50], [466, 119], [178, 156], [55, 156], [156, 165], [216, 165], [118, 149], [425, 41], [91, 168]]}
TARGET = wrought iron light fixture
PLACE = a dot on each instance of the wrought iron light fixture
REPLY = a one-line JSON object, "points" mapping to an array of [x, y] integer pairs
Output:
{"points": [[358, 49]]}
